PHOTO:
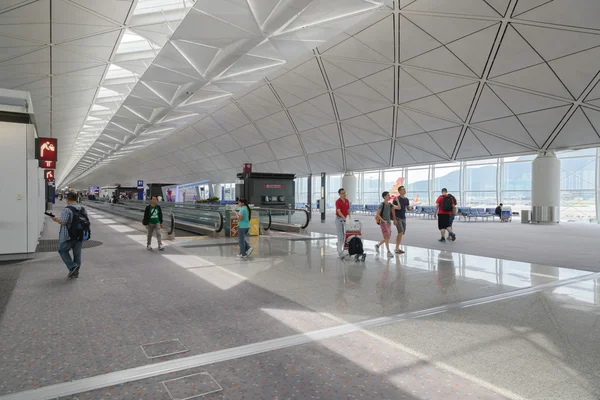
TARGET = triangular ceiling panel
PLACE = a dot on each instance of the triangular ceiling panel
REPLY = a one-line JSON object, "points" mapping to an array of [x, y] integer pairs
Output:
{"points": [[577, 71], [460, 100], [510, 128], [424, 142], [445, 30], [353, 48], [379, 37], [514, 54], [326, 161], [380, 81], [441, 59], [405, 125], [526, 5], [429, 123], [474, 50], [522, 102], [501, 6], [235, 12], [580, 13], [446, 139], [435, 81], [538, 78], [490, 107], [498, 146], [414, 41], [317, 140], [432, 105], [367, 156], [361, 89], [422, 157], [464, 7], [409, 88], [577, 131], [401, 156], [364, 106], [594, 117], [471, 147], [541, 124], [553, 43], [198, 55]]}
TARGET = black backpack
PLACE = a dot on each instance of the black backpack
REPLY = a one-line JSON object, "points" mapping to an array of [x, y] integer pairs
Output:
{"points": [[447, 203], [80, 225], [355, 246]]}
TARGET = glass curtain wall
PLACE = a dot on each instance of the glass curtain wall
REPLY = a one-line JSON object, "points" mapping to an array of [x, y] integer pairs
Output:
{"points": [[481, 184]]}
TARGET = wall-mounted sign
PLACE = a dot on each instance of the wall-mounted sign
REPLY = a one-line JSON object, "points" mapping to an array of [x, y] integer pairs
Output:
{"points": [[247, 168], [48, 164], [46, 149], [95, 190], [140, 184], [273, 186], [49, 175]]}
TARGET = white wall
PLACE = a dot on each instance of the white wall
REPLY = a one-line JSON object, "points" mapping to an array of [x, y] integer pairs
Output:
{"points": [[21, 213]]}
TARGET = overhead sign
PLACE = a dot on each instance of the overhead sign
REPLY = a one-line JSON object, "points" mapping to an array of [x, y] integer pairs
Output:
{"points": [[140, 184], [273, 186], [49, 175], [46, 149], [95, 190], [48, 164]]}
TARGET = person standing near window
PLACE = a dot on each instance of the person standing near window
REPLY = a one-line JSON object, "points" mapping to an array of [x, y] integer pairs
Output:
{"points": [[342, 210], [243, 217]]}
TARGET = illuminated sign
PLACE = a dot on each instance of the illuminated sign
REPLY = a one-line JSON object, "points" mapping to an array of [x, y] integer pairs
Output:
{"points": [[48, 164], [46, 149], [140, 184], [272, 186], [49, 175]]}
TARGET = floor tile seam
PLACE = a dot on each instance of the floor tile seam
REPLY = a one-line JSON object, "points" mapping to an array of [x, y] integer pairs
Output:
{"points": [[148, 371]]}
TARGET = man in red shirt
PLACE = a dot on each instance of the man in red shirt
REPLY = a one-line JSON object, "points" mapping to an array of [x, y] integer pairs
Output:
{"points": [[444, 208], [342, 209]]}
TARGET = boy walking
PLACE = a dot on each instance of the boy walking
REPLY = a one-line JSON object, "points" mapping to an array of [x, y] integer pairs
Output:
{"points": [[153, 217], [384, 217]]}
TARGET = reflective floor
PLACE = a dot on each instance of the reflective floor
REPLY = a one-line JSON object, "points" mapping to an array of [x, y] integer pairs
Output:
{"points": [[425, 325]]}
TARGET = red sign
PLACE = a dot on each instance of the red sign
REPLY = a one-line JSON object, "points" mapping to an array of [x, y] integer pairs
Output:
{"points": [[273, 186], [46, 149], [247, 169], [48, 164], [49, 175]]}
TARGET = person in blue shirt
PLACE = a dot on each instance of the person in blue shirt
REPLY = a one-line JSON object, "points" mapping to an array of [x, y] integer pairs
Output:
{"points": [[243, 217]]}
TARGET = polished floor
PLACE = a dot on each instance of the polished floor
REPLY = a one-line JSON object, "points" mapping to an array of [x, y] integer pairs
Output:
{"points": [[294, 322]]}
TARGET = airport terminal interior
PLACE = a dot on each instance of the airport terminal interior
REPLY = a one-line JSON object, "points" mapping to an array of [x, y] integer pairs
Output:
{"points": [[220, 172]]}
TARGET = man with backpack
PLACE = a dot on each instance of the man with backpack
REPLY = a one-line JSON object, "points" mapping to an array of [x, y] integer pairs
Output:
{"points": [[384, 217], [153, 216], [444, 209], [74, 229]]}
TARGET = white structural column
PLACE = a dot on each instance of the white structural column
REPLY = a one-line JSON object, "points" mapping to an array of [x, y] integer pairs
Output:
{"points": [[349, 183], [217, 190], [545, 188]]}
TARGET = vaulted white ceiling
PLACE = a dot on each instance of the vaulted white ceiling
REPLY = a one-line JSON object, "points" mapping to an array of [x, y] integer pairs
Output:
{"points": [[414, 82]]}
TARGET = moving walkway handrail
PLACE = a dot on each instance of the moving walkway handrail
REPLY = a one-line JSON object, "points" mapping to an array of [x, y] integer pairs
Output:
{"points": [[219, 208], [121, 207]]}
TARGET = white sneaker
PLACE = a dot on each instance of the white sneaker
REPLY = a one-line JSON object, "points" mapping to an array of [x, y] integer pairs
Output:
{"points": [[390, 254], [377, 248], [249, 251], [149, 247], [238, 255]]}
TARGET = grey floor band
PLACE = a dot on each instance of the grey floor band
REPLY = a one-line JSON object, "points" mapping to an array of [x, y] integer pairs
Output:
{"points": [[149, 371]]}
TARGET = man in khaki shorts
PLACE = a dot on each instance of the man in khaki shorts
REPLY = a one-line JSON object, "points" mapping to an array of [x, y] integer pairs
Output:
{"points": [[384, 217], [401, 204]]}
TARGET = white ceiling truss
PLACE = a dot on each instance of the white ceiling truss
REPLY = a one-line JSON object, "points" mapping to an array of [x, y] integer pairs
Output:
{"points": [[414, 82]]}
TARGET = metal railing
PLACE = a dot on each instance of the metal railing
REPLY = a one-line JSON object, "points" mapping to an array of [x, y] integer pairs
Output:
{"points": [[134, 214]]}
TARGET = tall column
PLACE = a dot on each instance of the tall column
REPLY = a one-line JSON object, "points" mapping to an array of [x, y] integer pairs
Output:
{"points": [[545, 188], [322, 203], [349, 183], [217, 191]]}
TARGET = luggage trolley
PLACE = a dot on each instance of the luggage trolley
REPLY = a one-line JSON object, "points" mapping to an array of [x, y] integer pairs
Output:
{"points": [[354, 230]]}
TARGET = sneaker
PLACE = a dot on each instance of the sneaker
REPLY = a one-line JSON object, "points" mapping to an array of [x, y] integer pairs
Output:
{"points": [[390, 254], [364, 257], [238, 255], [443, 240], [245, 257], [74, 271], [149, 247], [453, 237], [249, 251], [377, 248], [160, 248]]}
